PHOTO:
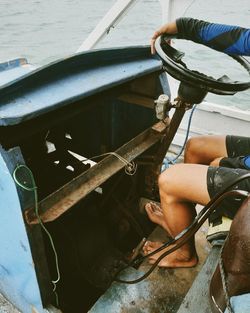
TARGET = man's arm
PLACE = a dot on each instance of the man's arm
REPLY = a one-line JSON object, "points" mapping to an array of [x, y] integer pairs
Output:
{"points": [[225, 38], [229, 39], [169, 28]]}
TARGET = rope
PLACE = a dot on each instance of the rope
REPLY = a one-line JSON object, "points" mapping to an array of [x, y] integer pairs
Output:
{"points": [[224, 283], [33, 188], [130, 167]]}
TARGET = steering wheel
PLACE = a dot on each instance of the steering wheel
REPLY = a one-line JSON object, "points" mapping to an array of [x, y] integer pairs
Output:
{"points": [[173, 64]]}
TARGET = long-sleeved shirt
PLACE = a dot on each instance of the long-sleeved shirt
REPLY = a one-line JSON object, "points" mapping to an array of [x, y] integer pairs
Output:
{"points": [[229, 39]]}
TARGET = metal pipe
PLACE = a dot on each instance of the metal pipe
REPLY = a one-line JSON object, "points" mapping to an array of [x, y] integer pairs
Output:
{"points": [[114, 15], [170, 10]]}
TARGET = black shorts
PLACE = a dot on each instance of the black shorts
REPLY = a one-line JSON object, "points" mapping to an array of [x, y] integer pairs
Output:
{"points": [[218, 178]]}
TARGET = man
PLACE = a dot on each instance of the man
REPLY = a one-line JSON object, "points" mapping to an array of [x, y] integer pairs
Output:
{"points": [[211, 163]]}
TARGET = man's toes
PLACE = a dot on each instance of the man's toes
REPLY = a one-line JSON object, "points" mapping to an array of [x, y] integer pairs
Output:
{"points": [[156, 207], [154, 245], [153, 206], [149, 245], [145, 248], [148, 209]]}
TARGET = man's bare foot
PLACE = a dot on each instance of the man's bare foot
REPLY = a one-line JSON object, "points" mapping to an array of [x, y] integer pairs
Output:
{"points": [[155, 214], [176, 259]]}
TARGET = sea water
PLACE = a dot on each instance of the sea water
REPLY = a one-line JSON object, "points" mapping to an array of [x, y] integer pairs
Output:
{"points": [[44, 30]]}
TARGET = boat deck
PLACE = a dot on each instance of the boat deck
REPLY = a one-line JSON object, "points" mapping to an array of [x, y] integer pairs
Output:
{"points": [[6, 306], [163, 291]]}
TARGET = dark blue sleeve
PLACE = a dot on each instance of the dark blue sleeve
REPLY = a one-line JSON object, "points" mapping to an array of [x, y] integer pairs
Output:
{"points": [[246, 161], [229, 39]]}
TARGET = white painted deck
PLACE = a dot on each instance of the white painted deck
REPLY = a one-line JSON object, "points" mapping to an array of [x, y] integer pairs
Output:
{"points": [[6, 307]]}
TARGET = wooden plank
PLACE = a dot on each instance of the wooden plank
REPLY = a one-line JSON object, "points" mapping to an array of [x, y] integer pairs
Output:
{"points": [[197, 299], [137, 99]]}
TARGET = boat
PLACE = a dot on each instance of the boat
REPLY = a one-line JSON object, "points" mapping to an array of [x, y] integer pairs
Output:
{"points": [[81, 150]]}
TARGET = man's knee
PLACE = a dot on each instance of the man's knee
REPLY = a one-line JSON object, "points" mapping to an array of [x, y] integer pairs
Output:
{"points": [[205, 149], [163, 181], [166, 181], [167, 186], [194, 148]]}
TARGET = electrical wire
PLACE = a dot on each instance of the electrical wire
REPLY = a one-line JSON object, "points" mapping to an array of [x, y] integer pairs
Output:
{"points": [[187, 233], [187, 134], [167, 160], [33, 188], [130, 169]]}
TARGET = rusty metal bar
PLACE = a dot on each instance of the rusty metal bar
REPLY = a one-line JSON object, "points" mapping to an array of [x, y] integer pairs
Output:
{"points": [[64, 198], [168, 138]]}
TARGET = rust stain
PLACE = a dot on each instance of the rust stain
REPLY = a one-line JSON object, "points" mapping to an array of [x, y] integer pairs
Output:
{"points": [[161, 126]]}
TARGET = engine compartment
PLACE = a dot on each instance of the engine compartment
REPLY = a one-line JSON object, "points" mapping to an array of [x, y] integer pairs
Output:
{"points": [[96, 233]]}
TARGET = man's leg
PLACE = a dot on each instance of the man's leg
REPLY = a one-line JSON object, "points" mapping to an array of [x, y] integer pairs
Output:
{"points": [[205, 149], [179, 186]]}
